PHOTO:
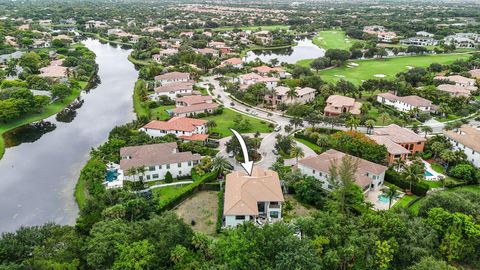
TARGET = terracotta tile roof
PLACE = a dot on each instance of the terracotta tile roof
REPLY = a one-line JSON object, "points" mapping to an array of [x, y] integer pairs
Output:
{"points": [[392, 147], [195, 108], [176, 123], [455, 89], [191, 100], [243, 192], [53, 72], [340, 101], [195, 137], [398, 134], [232, 61], [324, 161], [475, 73], [173, 75], [262, 69], [456, 79], [466, 135], [154, 154], [250, 76], [178, 86]]}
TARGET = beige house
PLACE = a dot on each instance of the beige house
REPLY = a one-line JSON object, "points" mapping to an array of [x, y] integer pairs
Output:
{"points": [[173, 90], [266, 70], [257, 198], [173, 77], [234, 62], [264, 37], [475, 73], [457, 79], [455, 90], [192, 105], [368, 176], [304, 95], [466, 139], [337, 105]]}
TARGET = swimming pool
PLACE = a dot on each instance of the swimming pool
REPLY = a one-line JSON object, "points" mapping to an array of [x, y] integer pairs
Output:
{"points": [[428, 174], [111, 175], [383, 199]]}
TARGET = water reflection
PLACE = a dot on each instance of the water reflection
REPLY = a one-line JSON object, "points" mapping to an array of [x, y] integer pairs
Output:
{"points": [[27, 133], [68, 114], [304, 49]]}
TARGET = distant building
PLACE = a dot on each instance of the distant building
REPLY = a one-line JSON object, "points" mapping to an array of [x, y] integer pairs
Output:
{"points": [[424, 34], [252, 78], [181, 127], [208, 51], [419, 41], [233, 62], [266, 70], [406, 103], [337, 105], [264, 37], [257, 198], [455, 90], [463, 40], [457, 79], [466, 139], [380, 32], [368, 176]]}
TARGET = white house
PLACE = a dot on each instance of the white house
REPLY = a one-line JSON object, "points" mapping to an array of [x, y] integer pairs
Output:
{"points": [[419, 41], [193, 105], [467, 139], [257, 198], [173, 77], [182, 127], [406, 103], [463, 40], [252, 78], [368, 176], [156, 160], [173, 90]]}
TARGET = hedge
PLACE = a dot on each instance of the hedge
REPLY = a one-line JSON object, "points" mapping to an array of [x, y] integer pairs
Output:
{"points": [[218, 228], [419, 189], [186, 191]]}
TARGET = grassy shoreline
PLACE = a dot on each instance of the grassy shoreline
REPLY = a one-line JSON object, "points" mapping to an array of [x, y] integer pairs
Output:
{"points": [[51, 109]]}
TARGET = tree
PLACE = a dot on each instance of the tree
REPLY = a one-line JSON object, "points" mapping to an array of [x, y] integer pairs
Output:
{"points": [[137, 255], [413, 173], [211, 123], [437, 148], [384, 117], [11, 68], [342, 177], [221, 165], [448, 156], [168, 177], [297, 152], [31, 61], [61, 91], [352, 123], [292, 94], [430, 263], [384, 254], [391, 193], [381, 52], [337, 55], [426, 130], [370, 123], [320, 63]]}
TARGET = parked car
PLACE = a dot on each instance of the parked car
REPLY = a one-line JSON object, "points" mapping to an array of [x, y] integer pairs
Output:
{"points": [[253, 113], [232, 104], [277, 128], [231, 155], [275, 152]]}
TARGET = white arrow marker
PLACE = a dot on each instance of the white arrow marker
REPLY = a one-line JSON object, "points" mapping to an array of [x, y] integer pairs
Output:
{"points": [[247, 165]]}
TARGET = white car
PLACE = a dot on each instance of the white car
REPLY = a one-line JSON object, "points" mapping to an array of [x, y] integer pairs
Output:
{"points": [[253, 113], [231, 155], [277, 128]]}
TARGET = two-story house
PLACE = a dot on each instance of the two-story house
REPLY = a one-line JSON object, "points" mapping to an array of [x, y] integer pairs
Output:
{"points": [[406, 103], [467, 139], [303, 95], [337, 105], [182, 127], [172, 77]]}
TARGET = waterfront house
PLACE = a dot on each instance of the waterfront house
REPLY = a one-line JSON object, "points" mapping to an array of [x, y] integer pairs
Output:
{"points": [[156, 160], [233, 62], [192, 105], [368, 176], [337, 105], [257, 198], [172, 77], [173, 90], [182, 127]]}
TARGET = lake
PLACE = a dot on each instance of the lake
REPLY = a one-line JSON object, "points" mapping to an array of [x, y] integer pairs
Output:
{"points": [[304, 49], [39, 171]]}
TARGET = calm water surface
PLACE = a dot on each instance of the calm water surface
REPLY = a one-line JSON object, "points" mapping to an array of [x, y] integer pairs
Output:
{"points": [[304, 49], [38, 177]]}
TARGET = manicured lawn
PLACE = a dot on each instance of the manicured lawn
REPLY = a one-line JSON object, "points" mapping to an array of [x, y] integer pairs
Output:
{"points": [[160, 112], [389, 67], [333, 39], [310, 145], [255, 27], [437, 167], [49, 110], [81, 193], [139, 62], [450, 117], [224, 122], [433, 184], [405, 200]]}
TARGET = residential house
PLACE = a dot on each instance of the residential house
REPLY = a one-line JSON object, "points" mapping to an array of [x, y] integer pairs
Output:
{"points": [[457, 79], [419, 41], [368, 176], [252, 78], [208, 51], [54, 71], [337, 105], [234, 62], [403, 137], [304, 95], [168, 52], [424, 34], [182, 127], [95, 24], [193, 105], [12, 41], [257, 198], [475, 73], [173, 90], [406, 103], [216, 44], [455, 90], [466, 139], [172, 77], [264, 37], [381, 33], [156, 160], [186, 34], [266, 70], [463, 40], [462, 85]]}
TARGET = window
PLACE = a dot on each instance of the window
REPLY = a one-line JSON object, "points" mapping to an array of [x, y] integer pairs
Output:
{"points": [[140, 178], [155, 176], [179, 165], [239, 217], [148, 177], [189, 163], [151, 168], [313, 171], [168, 166], [274, 214]]}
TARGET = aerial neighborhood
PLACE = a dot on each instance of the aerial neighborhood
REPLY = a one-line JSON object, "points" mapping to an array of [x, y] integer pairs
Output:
{"points": [[237, 135]]}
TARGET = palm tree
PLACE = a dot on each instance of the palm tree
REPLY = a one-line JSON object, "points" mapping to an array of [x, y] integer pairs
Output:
{"points": [[352, 123], [399, 163], [322, 141], [11, 68], [391, 193], [448, 156], [132, 172], [292, 94], [220, 165], [413, 173], [384, 117], [297, 152], [141, 172], [370, 123], [211, 123], [427, 130]]}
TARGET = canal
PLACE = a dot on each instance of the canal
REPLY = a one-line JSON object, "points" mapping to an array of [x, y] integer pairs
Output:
{"points": [[38, 175]]}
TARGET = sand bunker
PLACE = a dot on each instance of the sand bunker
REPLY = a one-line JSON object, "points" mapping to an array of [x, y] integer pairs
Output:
{"points": [[380, 75], [339, 76], [409, 67], [354, 64]]}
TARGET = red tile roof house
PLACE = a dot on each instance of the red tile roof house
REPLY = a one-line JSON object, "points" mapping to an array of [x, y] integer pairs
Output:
{"points": [[252, 78], [182, 127], [172, 77], [193, 105], [265, 70], [157, 160], [337, 105], [457, 79], [305, 95], [407, 103], [455, 90], [173, 90], [234, 62], [54, 71], [368, 176], [257, 198]]}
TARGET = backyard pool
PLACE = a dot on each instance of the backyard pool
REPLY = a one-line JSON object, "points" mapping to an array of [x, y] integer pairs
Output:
{"points": [[111, 175], [383, 198], [428, 174]]}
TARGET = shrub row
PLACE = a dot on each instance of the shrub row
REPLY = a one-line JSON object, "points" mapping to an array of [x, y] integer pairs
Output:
{"points": [[218, 228], [300, 135], [419, 189]]}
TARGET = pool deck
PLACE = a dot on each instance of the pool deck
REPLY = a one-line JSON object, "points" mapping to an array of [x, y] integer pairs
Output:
{"points": [[434, 175], [372, 197]]}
